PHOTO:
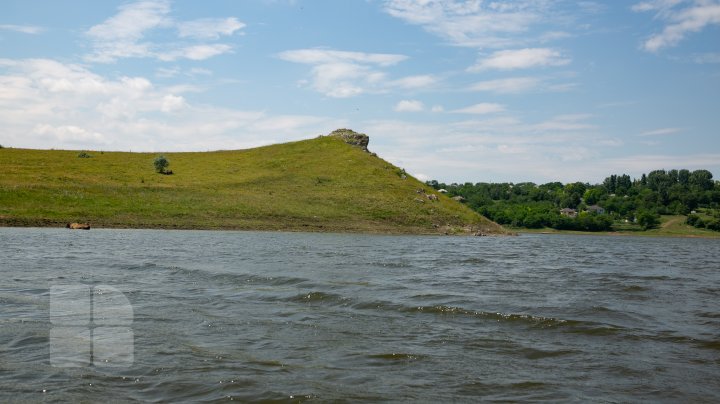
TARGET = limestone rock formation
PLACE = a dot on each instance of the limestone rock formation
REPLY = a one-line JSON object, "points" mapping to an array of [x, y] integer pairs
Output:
{"points": [[349, 136]]}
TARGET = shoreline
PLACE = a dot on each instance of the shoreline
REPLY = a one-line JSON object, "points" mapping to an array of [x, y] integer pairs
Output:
{"points": [[300, 228], [324, 228], [374, 232], [613, 234]]}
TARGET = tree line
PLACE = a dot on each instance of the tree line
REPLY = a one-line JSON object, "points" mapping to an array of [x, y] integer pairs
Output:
{"points": [[619, 199]]}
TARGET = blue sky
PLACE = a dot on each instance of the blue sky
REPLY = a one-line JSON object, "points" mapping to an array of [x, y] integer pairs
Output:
{"points": [[457, 91]]}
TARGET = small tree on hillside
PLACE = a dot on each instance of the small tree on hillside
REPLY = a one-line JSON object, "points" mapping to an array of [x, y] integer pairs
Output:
{"points": [[161, 163]]}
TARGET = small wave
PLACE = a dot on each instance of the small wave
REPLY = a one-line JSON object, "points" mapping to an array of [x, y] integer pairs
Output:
{"points": [[645, 278], [27, 341], [20, 299], [507, 392], [283, 281], [635, 288], [709, 344], [318, 297], [425, 296], [709, 291], [528, 385], [386, 264], [474, 261], [136, 267], [668, 337], [533, 354], [540, 321], [268, 363], [231, 278], [626, 371], [396, 356]]}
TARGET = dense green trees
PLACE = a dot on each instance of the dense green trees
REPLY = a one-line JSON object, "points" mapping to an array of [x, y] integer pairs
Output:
{"points": [[711, 220], [624, 200], [648, 219]]}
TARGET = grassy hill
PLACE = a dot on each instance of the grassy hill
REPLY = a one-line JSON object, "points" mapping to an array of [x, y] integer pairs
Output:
{"points": [[322, 184]]}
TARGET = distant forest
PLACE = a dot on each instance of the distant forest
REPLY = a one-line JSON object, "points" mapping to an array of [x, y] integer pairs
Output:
{"points": [[619, 200]]}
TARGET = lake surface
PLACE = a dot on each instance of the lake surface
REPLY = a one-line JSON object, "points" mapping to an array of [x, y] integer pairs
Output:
{"points": [[258, 316]]}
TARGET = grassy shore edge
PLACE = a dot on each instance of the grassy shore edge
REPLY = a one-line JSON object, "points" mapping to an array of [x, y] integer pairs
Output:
{"points": [[299, 228], [670, 226]]}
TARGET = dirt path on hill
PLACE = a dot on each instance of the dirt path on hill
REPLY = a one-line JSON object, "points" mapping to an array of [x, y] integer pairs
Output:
{"points": [[671, 222]]}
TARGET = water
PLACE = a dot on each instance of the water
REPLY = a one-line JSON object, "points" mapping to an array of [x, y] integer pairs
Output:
{"points": [[326, 317]]}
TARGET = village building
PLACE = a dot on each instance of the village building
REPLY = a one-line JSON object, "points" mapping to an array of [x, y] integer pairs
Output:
{"points": [[568, 212], [596, 209]]}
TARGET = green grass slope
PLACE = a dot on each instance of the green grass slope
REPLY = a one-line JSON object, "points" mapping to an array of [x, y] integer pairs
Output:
{"points": [[322, 184]]}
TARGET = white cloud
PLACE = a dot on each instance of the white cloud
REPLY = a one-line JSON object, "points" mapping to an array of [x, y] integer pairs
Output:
{"points": [[171, 103], [175, 71], [342, 80], [656, 5], [681, 20], [343, 74], [500, 148], [25, 29], [199, 71], [437, 108], [124, 34], [553, 36], [167, 72], [568, 122], [613, 142], [565, 148], [132, 20], [69, 134], [289, 124], [328, 56], [409, 106], [508, 149], [661, 132], [508, 85], [196, 52], [521, 59], [481, 109], [471, 23], [414, 82], [209, 28], [561, 87], [591, 7], [45, 103]]}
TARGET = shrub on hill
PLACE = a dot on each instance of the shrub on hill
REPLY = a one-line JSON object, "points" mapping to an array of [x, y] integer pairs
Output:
{"points": [[161, 164], [648, 220]]}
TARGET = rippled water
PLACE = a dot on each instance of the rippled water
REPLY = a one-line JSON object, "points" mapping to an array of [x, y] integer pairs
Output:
{"points": [[293, 317]]}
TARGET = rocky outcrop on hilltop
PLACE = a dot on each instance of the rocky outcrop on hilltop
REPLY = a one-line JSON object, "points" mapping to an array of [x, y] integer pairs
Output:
{"points": [[351, 137]]}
